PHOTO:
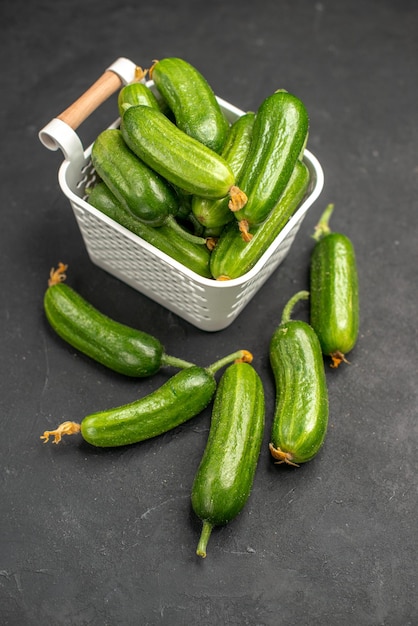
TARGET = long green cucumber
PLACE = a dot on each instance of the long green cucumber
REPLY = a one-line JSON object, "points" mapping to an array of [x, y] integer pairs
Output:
{"points": [[177, 157], [213, 213], [279, 137], [123, 349], [192, 100], [300, 418], [180, 398], [133, 94], [140, 190], [233, 256], [225, 476], [169, 238], [334, 300]]}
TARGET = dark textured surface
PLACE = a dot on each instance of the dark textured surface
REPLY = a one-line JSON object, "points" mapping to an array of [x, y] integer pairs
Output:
{"points": [[107, 538]]}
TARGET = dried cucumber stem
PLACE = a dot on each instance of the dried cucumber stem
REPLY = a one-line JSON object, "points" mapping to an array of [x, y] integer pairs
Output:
{"points": [[245, 357], [57, 275], [238, 199], [338, 358], [282, 457], [151, 69], [244, 226], [66, 428], [211, 243], [140, 74]]}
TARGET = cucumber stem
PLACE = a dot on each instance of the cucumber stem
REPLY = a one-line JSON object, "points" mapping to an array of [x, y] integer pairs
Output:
{"points": [[242, 356], [288, 309], [140, 73], [57, 275], [174, 361], [237, 198], [66, 428], [204, 538], [322, 228], [244, 226], [172, 222]]}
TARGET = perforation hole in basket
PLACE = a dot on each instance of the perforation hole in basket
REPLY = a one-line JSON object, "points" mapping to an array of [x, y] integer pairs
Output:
{"points": [[88, 178], [148, 273]]}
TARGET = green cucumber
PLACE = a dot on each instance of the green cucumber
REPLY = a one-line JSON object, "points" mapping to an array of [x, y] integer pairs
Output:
{"points": [[118, 347], [136, 93], [170, 238], [177, 157], [180, 398], [141, 190], [300, 418], [279, 138], [202, 231], [224, 479], [192, 101], [232, 256], [334, 300], [213, 213], [185, 200]]}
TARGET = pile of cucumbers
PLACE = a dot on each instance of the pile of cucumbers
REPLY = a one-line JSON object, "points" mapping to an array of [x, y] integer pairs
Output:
{"points": [[298, 349], [225, 476], [211, 194]]}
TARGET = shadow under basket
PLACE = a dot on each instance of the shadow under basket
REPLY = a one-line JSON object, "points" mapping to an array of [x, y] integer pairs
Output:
{"points": [[208, 304]]}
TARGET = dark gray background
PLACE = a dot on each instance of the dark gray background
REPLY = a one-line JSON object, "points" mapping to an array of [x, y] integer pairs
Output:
{"points": [[108, 538]]}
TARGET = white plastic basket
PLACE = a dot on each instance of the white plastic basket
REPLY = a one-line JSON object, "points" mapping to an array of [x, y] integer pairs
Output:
{"points": [[207, 304]]}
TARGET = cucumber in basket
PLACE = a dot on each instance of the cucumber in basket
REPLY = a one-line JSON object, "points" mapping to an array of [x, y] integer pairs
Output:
{"points": [[140, 93], [233, 256], [136, 93], [138, 188], [168, 238], [192, 101], [214, 213], [279, 138], [180, 159]]}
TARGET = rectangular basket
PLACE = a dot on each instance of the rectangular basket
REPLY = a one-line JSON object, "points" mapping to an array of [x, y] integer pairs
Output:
{"points": [[207, 304]]}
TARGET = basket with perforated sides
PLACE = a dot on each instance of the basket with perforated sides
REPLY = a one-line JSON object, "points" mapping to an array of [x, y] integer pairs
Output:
{"points": [[207, 304]]}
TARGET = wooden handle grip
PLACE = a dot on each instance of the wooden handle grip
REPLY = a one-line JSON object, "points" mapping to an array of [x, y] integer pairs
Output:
{"points": [[101, 90]]}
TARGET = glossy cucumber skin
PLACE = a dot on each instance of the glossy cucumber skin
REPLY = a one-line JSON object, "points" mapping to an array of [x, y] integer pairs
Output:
{"points": [[232, 256], [334, 299], [279, 136], [192, 100], [141, 191], [136, 93], [213, 213], [193, 256], [120, 348], [300, 418], [180, 398], [226, 472], [177, 157]]}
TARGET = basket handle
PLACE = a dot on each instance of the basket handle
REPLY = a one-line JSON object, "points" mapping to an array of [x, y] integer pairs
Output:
{"points": [[60, 133]]}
